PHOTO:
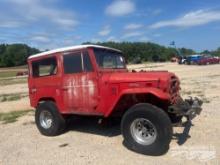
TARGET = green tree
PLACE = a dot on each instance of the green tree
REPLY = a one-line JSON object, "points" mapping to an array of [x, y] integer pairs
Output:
{"points": [[15, 54], [147, 51], [186, 52]]}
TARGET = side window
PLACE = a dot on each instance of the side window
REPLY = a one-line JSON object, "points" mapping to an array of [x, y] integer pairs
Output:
{"points": [[87, 62], [72, 63], [45, 67]]}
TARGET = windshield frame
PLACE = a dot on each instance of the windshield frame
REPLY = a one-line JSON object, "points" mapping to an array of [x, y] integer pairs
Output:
{"points": [[114, 53]]}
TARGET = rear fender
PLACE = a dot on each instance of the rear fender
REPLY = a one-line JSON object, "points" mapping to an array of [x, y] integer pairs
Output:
{"points": [[153, 91]]}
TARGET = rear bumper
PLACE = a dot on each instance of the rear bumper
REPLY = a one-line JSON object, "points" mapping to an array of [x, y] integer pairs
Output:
{"points": [[189, 108]]}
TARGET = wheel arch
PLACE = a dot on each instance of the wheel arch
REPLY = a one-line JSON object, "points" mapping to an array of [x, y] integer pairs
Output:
{"points": [[44, 99], [128, 99]]}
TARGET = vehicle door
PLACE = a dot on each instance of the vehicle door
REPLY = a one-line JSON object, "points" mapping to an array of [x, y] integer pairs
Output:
{"points": [[79, 83]]}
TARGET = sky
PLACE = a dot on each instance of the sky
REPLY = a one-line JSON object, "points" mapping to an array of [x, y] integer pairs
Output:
{"points": [[48, 24]]}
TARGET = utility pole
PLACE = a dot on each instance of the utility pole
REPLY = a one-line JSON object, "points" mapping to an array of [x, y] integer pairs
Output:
{"points": [[173, 43]]}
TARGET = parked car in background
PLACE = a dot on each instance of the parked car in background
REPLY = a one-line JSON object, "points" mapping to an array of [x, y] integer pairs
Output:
{"points": [[217, 60], [182, 60], [174, 59], [206, 60], [22, 73], [193, 59]]}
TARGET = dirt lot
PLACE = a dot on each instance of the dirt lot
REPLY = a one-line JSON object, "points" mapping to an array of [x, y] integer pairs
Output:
{"points": [[86, 142]]}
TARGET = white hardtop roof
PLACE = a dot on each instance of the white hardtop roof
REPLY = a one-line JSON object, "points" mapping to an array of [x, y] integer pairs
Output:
{"points": [[69, 48]]}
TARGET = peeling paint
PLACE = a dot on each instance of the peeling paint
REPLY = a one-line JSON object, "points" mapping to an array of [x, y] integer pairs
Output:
{"points": [[91, 88]]}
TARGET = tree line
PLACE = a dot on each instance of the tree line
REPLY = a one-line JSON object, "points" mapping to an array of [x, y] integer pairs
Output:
{"points": [[17, 54], [146, 51]]}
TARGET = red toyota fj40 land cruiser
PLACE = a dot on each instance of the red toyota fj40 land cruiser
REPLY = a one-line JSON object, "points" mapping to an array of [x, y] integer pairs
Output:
{"points": [[93, 80]]}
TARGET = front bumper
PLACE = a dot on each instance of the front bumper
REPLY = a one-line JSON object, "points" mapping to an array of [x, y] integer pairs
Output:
{"points": [[189, 108]]}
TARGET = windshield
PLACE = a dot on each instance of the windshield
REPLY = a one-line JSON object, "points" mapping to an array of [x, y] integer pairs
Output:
{"points": [[109, 59]]}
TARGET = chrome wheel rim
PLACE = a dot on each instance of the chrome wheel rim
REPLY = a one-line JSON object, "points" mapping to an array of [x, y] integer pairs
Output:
{"points": [[143, 131], [46, 119]]}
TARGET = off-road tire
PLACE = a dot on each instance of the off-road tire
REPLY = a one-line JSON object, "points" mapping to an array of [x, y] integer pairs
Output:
{"points": [[58, 122], [158, 118]]}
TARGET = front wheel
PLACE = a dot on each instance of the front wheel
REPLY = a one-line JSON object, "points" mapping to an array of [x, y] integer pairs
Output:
{"points": [[146, 129]]}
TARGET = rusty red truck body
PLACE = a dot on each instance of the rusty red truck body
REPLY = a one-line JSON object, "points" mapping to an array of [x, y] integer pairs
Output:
{"points": [[94, 80]]}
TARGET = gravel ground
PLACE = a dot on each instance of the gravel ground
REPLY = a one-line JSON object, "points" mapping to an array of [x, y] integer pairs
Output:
{"points": [[87, 142]]}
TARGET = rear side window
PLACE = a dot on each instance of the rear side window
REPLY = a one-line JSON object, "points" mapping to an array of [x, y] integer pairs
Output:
{"points": [[87, 62], [45, 67], [72, 63]]}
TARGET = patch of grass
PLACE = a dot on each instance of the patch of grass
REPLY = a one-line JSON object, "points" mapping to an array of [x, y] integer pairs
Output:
{"points": [[214, 76], [200, 94], [186, 92], [191, 92], [12, 117], [204, 99], [197, 92], [213, 86], [11, 81], [29, 123], [14, 67], [12, 97], [6, 74]]}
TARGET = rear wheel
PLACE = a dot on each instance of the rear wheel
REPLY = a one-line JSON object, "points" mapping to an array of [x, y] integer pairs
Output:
{"points": [[146, 129], [48, 119]]}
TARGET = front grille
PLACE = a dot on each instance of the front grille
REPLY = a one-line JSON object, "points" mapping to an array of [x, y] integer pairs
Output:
{"points": [[174, 88], [173, 85]]}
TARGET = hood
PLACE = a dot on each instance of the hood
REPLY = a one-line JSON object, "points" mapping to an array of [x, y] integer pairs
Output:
{"points": [[140, 76]]}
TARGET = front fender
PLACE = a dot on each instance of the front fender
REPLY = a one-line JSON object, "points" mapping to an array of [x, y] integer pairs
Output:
{"points": [[154, 91]]}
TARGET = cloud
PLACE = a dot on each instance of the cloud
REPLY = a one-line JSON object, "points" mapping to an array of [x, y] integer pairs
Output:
{"points": [[144, 39], [95, 40], [157, 12], [112, 38], [42, 39], [157, 35], [30, 11], [133, 26], [120, 8], [10, 24], [68, 42], [105, 31], [196, 18], [131, 34], [77, 37]]}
